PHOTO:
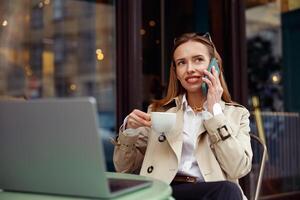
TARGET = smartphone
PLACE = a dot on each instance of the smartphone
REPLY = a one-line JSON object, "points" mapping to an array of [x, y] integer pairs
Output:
{"points": [[213, 62]]}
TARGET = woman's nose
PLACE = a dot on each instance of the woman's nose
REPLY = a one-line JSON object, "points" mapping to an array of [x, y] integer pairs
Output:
{"points": [[190, 67]]}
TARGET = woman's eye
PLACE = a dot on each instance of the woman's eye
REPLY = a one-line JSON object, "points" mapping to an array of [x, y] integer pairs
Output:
{"points": [[180, 63], [197, 60]]}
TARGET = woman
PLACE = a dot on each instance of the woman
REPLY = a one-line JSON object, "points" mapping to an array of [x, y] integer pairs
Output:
{"points": [[210, 149]]}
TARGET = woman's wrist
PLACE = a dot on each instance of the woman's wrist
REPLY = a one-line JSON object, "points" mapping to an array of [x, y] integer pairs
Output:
{"points": [[217, 109]]}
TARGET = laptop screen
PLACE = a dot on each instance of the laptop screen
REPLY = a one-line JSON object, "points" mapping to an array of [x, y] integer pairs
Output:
{"points": [[52, 146]]}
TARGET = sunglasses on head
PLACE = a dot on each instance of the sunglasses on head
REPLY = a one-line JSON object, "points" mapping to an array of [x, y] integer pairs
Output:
{"points": [[205, 35]]}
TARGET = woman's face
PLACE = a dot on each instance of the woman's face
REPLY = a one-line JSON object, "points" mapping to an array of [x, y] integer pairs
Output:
{"points": [[191, 59]]}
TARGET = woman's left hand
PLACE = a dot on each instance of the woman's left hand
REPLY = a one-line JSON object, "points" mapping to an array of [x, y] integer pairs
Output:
{"points": [[215, 90]]}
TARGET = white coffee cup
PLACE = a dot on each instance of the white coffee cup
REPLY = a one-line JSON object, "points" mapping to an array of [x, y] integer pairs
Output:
{"points": [[163, 122]]}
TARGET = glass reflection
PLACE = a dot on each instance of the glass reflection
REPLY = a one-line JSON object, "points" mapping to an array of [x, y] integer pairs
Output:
{"points": [[48, 49], [271, 41]]}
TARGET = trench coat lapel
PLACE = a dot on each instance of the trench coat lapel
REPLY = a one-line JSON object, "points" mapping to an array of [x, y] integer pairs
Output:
{"points": [[201, 130], [174, 137]]}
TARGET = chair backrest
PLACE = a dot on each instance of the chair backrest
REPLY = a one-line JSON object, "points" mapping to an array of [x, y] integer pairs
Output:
{"points": [[255, 185]]}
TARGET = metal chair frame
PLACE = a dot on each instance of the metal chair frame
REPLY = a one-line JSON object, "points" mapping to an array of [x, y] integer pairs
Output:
{"points": [[262, 164]]}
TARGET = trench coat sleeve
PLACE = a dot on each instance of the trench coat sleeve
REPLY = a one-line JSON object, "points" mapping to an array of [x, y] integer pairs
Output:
{"points": [[130, 148], [234, 154]]}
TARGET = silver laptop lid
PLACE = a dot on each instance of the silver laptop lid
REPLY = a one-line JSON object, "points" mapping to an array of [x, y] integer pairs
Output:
{"points": [[52, 146]]}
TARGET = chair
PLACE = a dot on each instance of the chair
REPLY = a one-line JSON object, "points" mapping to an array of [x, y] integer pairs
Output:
{"points": [[259, 167]]}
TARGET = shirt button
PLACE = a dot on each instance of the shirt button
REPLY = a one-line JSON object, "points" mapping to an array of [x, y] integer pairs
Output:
{"points": [[150, 169], [162, 138]]}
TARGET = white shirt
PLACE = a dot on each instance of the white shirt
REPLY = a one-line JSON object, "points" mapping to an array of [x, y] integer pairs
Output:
{"points": [[191, 122]]}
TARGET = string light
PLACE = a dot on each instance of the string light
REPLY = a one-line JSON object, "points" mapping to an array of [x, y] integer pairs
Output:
{"points": [[73, 87], [46, 2], [142, 31], [4, 23], [152, 23], [100, 55], [275, 77]]}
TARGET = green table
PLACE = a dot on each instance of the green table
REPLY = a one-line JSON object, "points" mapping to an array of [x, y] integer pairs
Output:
{"points": [[159, 190]]}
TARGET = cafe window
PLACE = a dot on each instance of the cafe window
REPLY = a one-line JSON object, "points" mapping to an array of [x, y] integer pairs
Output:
{"points": [[272, 30], [61, 49]]}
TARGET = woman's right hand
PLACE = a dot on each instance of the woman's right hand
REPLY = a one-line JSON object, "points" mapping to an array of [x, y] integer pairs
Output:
{"points": [[138, 119]]}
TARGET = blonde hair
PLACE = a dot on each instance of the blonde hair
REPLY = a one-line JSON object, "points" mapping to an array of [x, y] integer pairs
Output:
{"points": [[175, 88]]}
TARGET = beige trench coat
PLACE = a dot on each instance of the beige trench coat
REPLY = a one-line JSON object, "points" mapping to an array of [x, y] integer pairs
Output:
{"points": [[139, 151]]}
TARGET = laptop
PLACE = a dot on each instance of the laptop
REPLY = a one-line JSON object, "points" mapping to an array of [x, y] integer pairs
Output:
{"points": [[53, 146]]}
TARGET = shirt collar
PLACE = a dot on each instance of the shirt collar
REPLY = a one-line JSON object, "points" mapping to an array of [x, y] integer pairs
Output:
{"points": [[186, 106], [184, 102]]}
